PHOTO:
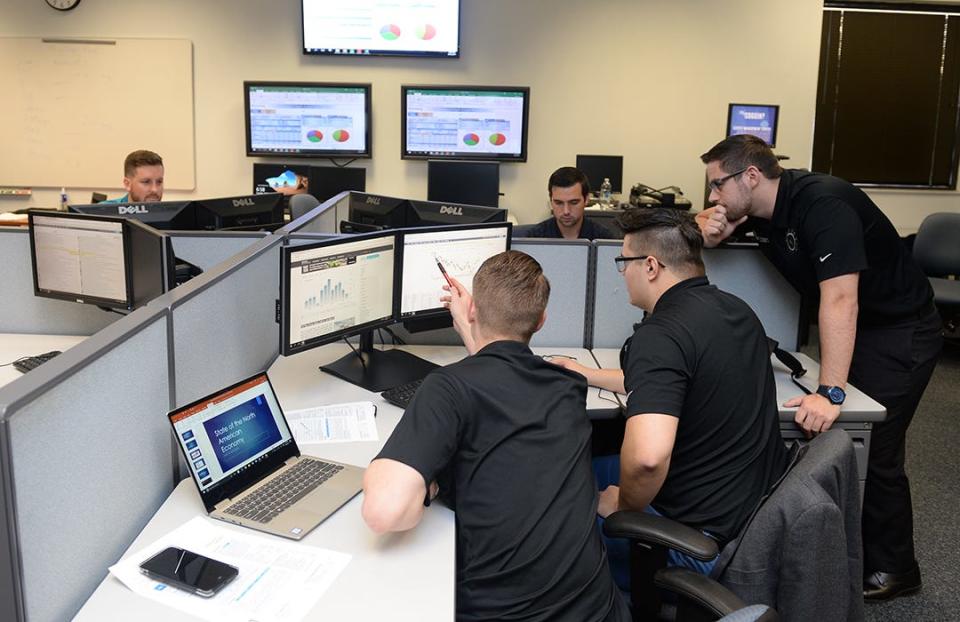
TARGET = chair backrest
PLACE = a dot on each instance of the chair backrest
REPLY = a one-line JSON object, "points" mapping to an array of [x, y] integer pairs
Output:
{"points": [[937, 246], [300, 204]]}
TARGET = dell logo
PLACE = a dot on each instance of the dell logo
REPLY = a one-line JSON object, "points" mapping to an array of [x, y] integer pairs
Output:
{"points": [[132, 209], [243, 203], [373, 200], [453, 210]]}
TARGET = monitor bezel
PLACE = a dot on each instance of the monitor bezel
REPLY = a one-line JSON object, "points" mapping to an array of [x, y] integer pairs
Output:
{"points": [[776, 119], [80, 298], [313, 153], [286, 251], [436, 311], [406, 154], [381, 53], [616, 189]]}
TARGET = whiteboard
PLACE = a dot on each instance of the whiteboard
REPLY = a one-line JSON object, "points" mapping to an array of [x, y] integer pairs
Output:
{"points": [[72, 109]]}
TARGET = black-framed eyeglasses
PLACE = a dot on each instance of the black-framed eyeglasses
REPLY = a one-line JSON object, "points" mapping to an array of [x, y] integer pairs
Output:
{"points": [[622, 261], [716, 184]]}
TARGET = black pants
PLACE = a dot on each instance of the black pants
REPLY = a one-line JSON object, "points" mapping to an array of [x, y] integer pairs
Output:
{"points": [[893, 365]]}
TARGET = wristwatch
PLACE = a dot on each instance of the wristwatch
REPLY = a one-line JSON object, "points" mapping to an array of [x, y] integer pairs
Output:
{"points": [[836, 395]]}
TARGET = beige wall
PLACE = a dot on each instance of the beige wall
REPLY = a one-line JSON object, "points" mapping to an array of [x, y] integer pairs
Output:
{"points": [[647, 79]]}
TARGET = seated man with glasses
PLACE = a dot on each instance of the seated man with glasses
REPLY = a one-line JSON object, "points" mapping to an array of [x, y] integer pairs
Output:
{"points": [[702, 440]]}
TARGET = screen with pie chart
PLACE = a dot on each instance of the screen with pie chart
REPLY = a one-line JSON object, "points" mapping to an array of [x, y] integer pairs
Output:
{"points": [[465, 122], [307, 119], [382, 27]]}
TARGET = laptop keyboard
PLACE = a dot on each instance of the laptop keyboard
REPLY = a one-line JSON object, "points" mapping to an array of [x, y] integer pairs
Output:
{"points": [[296, 483], [402, 394]]}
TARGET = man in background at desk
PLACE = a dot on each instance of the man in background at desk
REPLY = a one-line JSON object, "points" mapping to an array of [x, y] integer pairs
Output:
{"points": [[142, 178], [878, 325], [568, 189], [503, 437], [702, 440]]}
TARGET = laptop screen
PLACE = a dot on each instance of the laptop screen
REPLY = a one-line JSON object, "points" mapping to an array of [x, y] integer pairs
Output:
{"points": [[231, 431]]}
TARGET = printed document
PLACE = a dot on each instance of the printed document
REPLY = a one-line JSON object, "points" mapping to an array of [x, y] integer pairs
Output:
{"points": [[335, 423]]}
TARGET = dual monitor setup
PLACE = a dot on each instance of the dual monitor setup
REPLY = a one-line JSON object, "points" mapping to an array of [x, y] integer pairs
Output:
{"points": [[354, 285], [240, 213], [371, 212]]}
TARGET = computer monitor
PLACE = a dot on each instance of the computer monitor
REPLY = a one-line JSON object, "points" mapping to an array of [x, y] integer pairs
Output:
{"points": [[460, 181], [759, 120], [329, 181], [287, 179], [110, 262], [307, 119], [377, 210], [382, 29], [464, 122], [164, 215], [242, 213], [600, 167], [340, 288], [429, 213], [460, 249]]}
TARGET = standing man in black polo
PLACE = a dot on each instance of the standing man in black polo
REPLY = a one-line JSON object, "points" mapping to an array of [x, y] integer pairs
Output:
{"points": [[878, 326], [702, 440], [569, 190]]}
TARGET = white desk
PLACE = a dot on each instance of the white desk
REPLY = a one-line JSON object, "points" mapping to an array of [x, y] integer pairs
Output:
{"points": [[16, 345]]}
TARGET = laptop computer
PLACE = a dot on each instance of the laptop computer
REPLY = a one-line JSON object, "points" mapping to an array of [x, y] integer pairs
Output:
{"points": [[248, 468]]}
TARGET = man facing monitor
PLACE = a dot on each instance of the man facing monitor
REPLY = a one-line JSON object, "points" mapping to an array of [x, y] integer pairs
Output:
{"points": [[142, 178], [503, 437], [568, 188]]}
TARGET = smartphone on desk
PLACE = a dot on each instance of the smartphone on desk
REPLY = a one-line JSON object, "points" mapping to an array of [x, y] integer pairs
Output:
{"points": [[189, 571]]}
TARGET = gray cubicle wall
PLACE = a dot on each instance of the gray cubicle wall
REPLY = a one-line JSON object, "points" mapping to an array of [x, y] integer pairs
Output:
{"points": [[206, 249], [22, 312], [569, 265], [86, 460], [321, 219], [744, 272]]}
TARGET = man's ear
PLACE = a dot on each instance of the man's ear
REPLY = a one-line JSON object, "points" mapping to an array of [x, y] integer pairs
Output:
{"points": [[126, 183], [472, 312], [543, 320]]}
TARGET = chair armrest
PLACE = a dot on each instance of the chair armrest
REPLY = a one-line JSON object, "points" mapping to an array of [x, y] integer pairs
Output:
{"points": [[700, 589], [662, 531]]}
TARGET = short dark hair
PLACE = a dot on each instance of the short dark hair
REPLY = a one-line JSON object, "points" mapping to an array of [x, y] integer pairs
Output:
{"points": [[738, 152], [670, 235], [510, 292], [567, 176], [139, 158]]}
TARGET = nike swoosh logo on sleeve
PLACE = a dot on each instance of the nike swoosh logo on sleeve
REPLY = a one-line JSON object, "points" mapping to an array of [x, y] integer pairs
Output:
{"points": [[825, 257]]}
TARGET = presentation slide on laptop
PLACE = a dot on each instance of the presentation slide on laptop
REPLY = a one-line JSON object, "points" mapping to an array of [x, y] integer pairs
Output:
{"points": [[230, 431]]}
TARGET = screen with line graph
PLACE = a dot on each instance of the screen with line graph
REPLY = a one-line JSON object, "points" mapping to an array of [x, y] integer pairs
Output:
{"points": [[335, 289], [81, 258], [459, 249]]}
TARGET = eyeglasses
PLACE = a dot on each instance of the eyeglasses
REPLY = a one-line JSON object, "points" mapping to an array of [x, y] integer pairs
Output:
{"points": [[622, 261], [717, 184]]}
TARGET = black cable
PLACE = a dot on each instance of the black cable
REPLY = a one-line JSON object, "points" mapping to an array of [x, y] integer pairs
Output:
{"points": [[359, 354], [345, 164], [397, 341], [109, 310]]}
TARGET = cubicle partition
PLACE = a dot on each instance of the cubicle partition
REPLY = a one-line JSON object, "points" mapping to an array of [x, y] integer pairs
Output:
{"points": [[324, 218], [86, 460], [206, 249]]}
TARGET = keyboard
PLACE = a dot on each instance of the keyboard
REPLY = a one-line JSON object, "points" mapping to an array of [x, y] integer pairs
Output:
{"points": [[401, 394], [264, 504], [32, 362]]}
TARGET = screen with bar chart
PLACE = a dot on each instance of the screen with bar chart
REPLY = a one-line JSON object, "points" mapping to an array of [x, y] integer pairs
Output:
{"points": [[335, 289], [459, 249], [465, 122]]}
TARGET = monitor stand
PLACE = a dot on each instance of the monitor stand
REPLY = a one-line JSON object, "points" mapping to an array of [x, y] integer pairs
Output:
{"points": [[378, 370]]}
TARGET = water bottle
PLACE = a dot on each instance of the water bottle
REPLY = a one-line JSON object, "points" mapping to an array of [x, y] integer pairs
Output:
{"points": [[63, 199], [606, 192]]}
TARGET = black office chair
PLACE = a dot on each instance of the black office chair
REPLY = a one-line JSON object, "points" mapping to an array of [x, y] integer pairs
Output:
{"points": [[937, 251], [300, 204], [816, 503]]}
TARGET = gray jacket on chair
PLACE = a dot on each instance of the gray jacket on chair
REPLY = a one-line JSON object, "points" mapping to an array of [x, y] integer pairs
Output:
{"points": [[801, 553]]}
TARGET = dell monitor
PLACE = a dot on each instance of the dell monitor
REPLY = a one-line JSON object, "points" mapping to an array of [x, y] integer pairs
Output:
{"points": [[340, 288], [328, 181], [459, 249], [459, 181], [111, 262], [425, 29], [166, 215], [759, 120], [307, 119], [243, 213], [464, 122], [430, 213], [377, 210], [600, 167], [287, 179]]}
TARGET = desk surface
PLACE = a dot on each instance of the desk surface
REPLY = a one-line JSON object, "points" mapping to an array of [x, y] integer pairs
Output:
{"points": [[15, 345]]}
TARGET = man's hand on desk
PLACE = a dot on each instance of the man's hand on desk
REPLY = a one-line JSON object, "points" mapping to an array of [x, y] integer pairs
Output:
{"points": [[815, 413], [568, 363]]}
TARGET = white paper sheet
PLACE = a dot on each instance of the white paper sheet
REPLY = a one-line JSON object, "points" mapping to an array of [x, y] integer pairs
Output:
{"points": [[335, 423], [278, 580]]}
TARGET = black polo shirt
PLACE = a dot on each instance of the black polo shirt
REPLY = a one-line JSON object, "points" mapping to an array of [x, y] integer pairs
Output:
{"points": [[506, 435], [589, 230], [823, 227], [702, 356]]}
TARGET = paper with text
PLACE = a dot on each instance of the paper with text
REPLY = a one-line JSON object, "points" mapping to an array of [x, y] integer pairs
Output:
{"points": [[334, 423]]}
